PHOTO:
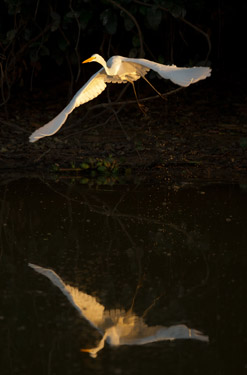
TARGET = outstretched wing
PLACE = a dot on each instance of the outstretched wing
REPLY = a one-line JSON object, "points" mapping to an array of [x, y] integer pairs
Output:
{"points": [[180, 76], [85, 304], [143, 334], [94, 86]]}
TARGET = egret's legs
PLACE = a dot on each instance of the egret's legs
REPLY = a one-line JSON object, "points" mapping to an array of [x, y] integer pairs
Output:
{"points": [[141, 106], [139, 285], [151, 306], [153, 87]]}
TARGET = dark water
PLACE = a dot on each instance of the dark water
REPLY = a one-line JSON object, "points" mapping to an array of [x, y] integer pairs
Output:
{"points": [[182, 248]]}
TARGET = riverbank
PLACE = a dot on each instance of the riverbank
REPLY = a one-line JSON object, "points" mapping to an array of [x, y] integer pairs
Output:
{"points": [[198, 133]]}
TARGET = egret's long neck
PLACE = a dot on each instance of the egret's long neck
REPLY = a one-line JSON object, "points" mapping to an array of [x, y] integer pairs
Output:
{"points": [[102, 62], [94, 351]]}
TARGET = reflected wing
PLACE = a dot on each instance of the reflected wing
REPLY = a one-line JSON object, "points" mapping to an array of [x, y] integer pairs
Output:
{"points": [[85, 304], [142, 334], [94, 86], [180, 76]]}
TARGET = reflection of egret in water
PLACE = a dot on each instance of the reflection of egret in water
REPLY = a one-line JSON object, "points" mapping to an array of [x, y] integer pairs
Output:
{"points": [[117, 327]]}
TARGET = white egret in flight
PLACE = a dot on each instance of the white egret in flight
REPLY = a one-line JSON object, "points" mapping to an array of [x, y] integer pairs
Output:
{"points": [[117, 327], [119, 69]]}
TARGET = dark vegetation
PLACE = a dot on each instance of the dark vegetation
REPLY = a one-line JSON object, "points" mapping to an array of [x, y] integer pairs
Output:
{"points": [[42, 44]]}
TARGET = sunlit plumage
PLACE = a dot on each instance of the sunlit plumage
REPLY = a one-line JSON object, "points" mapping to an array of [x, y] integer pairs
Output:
{"points": [[117, 327], [119, 69]]}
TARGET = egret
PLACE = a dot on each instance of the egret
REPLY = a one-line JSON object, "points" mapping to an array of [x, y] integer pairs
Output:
{"points": [[119, 69], [117, 327]]}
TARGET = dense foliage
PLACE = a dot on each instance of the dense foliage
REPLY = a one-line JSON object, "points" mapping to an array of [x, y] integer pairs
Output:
{"points": [[34, 34]]}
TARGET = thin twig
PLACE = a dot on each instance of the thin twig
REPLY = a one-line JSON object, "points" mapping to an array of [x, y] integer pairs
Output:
{"points": [[116, 116], [198, 29], [17, 127], [105, 105], [122, 105], [135, 22], [36, 10], [77, 41], [2, 88], [42, 155]]}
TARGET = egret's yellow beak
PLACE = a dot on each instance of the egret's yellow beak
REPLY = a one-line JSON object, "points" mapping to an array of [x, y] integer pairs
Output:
{"points": [[85, 350], [88, 60]]}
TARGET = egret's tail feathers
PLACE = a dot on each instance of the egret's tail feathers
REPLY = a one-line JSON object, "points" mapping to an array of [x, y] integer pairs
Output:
{"points": [[197, 335], [181, 331], [186, 76], [180, 76]]}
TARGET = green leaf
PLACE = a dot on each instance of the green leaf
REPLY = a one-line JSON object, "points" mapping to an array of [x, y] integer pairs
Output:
{"points": [[143, 10], [107, 164], [243, 142], [84, 180], [178, 11], [56, 20], [84, 18], [93, 173], [27, 34], [72, 14], [128, 23], [34, 55], [44, 51], [154, 17], [58, 57], [11, 35], [109, 21], [14, 6], [136, 41], [161, 59], [115, 170], [85, 165], [176, 8], [102, 168], [133, 52], [62, 44]]}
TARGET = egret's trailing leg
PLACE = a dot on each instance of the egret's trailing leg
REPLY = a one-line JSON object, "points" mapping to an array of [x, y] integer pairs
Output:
{"points": [[141, 106], [162, 96]]}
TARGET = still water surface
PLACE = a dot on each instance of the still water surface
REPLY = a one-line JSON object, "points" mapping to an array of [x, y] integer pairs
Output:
{"points": [[174, 254]]}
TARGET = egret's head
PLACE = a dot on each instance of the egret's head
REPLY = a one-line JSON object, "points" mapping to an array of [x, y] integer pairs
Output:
{"points": [[96, 58], [94, 351], [92, 58]]}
